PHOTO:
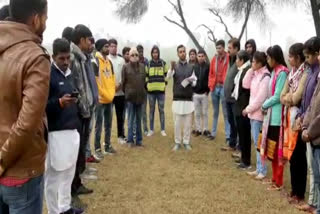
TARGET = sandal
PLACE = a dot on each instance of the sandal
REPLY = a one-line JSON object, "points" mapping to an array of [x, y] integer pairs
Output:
{"points": [[274, 188]]}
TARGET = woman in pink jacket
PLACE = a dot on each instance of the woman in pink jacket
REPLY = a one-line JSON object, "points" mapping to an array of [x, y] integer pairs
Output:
{"points": [[257, 80]]}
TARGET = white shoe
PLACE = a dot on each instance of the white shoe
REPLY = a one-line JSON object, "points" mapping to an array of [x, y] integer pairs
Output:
{"points": [[121, 141], [176, 147], [253, 174], [146, 133], [150, 133], [163, 133], [91, 170], [260, 177], [85, 175]]}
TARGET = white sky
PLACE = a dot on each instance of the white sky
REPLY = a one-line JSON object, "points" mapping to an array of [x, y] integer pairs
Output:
{"points": [[291, 24]]}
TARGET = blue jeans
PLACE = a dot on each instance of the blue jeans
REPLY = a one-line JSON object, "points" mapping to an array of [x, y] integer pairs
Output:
{"points": [[218, 95], [103, 114], [25, 199], [316, 173], [134, 122], [153, 98], [255, 131], [144, 114]]}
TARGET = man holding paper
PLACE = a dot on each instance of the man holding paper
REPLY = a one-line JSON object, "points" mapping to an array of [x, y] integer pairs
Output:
{"points": [[183, 81]]}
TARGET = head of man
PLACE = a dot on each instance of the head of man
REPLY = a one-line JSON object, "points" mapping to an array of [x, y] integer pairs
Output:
{"points": [[250, 47], [181, 50], [67, 33], [155, 53], [4, 12], [33, 13], [82, 38], [193, 55], [201, 57], [233, 47], [140, 50], [220, 47], [113, 47], [102, 45], [134, 55], [125, 54], [61, 54]]}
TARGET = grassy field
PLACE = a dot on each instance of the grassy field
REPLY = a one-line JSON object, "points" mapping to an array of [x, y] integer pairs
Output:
{"points": [[154, 180]]}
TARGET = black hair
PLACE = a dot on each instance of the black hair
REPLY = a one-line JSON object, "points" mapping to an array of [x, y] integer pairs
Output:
{"points": [[243, 55], [140, 47], [67, 33], [79, 32], [22, 10], [260, 57], [201, 51], [125, 50], [101, 43], [276, 53], [312, 45], [193, 51], [180, 46], [221, 42], [113, 41], [155, 47], [235, 43], [251, 42], [296, 50], [4, 12], [60, 46]]}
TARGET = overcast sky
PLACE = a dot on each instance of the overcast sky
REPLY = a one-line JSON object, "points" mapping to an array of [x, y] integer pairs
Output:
{"points": [[291, 24]]}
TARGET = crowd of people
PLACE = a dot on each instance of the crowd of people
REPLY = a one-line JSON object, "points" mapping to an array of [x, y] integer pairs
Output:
{"points": [[50, 106]]}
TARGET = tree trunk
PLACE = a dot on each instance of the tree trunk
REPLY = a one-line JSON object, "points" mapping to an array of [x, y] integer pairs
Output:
{"points": [[316, 16]]}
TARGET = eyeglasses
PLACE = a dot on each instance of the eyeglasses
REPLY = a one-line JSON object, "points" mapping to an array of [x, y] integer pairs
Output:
{"points": [[134, 55]]}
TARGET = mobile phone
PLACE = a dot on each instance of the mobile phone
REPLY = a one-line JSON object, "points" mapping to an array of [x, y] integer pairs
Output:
{"points": [[75, 94]]}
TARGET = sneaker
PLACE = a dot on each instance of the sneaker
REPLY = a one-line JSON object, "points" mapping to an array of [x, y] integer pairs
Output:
{"points": [[122, 140], [260, 177], [197, 134], [146, 133], [274, 188], [176, 147], [130, 145], [98, 155], [91, 170], [212, 137], [139, 145], [187, 147], [82, 190], [92, 159], [228, 148], [253, 174], [163, 133], [194, 131], [88, 176], [150, 133], [77, 203], [236, 155], [74, 211], [244, 166], [237, 160], [206, 133], [109, 151]]}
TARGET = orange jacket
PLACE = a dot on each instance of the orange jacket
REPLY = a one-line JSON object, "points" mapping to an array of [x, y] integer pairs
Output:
{"points": [[212, 72]]}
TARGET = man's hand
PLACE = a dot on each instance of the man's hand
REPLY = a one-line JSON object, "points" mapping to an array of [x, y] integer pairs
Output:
{"points": [[305, 136], [67, 100], [244, 113]]}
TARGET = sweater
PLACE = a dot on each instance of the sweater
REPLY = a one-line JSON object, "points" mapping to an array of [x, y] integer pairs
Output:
{"points": [[213, 71], [156, 76], [133, 82], [61, 118], [258, 83], [202, 73], [274, 101], [118, 63], [183, 70], [105, 79]]}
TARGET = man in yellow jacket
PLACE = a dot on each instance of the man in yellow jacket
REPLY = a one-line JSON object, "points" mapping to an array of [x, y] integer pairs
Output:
{"points": [[107, 87]]}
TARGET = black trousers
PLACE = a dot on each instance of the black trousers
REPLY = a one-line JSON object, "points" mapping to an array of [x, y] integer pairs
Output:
{"points": [[84, 132], [233, 126], [244, 131], [298, 169], [120, 106]]}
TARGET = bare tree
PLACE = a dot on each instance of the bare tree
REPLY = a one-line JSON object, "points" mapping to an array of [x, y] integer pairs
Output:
{"points": [[210, 33], [131, 10], [315, 7], [183, 23]]}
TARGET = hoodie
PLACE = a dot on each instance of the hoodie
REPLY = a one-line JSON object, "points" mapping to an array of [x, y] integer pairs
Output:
{"points": [[24, 80], [254, 46]]}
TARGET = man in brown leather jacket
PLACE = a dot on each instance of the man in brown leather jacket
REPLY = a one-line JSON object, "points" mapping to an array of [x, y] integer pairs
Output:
{"points": [[24, 82]]}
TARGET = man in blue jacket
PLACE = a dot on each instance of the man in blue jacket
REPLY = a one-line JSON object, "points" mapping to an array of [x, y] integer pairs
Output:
{"points": [[63, 138]]}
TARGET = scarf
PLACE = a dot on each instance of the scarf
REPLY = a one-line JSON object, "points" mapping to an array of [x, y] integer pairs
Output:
{"points": [[235, 93], [295, 76]]}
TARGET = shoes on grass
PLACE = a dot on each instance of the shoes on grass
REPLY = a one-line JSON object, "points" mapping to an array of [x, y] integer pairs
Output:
{"points": [[253, 173], [176, 147], [92, 159], [260, 177], [150, 133], [187, 147], [244, 166], [98, 155], [109, 151]]}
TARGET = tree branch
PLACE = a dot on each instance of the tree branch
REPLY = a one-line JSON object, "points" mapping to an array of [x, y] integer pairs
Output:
{"points": [[174, 6], [174, 22], [183, 20], [210, 33], [221, 21], [247, 15]]}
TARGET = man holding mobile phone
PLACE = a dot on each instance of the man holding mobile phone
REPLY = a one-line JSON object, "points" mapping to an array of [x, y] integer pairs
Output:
{"points": [[64, 139]]}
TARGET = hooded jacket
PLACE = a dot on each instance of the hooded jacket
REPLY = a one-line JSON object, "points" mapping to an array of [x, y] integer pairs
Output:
{"points": [[24, 80], [254, 46]]}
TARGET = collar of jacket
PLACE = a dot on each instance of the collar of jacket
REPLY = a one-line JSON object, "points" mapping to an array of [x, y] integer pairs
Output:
{"points": [[77, 52], [183, 62], [247, 64]]}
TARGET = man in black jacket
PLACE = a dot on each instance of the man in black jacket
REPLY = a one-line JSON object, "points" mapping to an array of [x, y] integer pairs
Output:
{"points": [[63, 138], [200, 96]]}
